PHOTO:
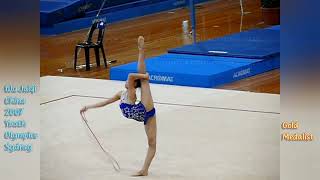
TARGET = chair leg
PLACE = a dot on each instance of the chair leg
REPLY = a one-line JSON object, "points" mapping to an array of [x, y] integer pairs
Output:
{"points": [[104, 56], [96, 51], [75, 58], [86, 50]]}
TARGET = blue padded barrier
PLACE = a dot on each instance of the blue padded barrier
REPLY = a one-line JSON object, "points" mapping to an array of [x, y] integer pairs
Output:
{"points": [[196, 70], [55, 11], [117, 12], [253, 44]]}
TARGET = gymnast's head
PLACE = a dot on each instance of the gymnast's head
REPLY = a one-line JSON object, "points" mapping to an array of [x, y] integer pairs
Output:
{"points": [[137, 84]]}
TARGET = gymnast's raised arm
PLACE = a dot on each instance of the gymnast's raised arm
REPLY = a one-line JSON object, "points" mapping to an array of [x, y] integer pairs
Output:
{"points": [[115, 98]]}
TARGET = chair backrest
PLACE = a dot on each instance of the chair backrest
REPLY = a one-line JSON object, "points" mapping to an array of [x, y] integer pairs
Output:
{"points": [[91, 31], [101, 27], [98, 24]]}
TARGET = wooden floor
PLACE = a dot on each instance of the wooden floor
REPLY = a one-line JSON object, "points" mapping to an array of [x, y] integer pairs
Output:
{"points": [[162, 31]]}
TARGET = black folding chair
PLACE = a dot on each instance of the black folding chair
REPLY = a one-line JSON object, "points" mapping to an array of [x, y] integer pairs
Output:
{"points": [[88, 44]]}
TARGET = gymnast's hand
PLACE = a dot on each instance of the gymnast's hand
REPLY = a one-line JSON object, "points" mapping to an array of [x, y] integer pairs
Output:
{"points": [[84, 109], [140, 42]]}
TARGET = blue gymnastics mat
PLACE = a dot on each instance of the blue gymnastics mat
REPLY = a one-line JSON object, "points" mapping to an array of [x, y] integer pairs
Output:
{"points": [[277, 27], [197, 71], [253, 44]]}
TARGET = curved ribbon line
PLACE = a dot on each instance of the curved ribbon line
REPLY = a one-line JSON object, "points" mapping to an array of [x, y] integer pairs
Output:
{"points": [[114, 162]]}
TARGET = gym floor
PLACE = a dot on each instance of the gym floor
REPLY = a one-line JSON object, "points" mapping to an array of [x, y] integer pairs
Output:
{"points": [[223, 137], [162, 31]]}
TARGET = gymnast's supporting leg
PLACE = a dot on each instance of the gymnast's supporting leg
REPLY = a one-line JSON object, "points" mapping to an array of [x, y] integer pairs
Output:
{"points": [[141, 63], [150, 128], [151, 131]]}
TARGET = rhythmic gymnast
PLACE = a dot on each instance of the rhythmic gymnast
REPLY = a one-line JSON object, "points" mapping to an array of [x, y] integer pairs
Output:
{"points": [[142, 111]]}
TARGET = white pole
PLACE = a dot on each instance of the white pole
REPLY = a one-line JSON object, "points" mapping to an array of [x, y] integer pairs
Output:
{"points": [[193, 20], [241, 6], [241, 22]]}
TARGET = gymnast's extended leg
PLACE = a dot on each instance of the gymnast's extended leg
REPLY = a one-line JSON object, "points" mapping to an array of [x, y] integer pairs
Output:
{"points": [[141, 63]]}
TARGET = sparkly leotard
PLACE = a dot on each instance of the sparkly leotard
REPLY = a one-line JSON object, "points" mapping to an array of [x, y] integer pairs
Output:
{"points": [[134, 111]]}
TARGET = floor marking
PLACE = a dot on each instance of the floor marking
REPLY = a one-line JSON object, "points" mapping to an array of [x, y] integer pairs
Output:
{"points": [[218, 52], [56, 100], [172, 104]]}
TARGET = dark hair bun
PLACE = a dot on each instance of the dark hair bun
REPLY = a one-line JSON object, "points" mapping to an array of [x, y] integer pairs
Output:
{"points": [[137, 83]]}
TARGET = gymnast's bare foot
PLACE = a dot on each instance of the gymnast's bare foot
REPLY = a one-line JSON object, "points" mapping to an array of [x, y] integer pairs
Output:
{"points": [[141, 173], [141, 42]]}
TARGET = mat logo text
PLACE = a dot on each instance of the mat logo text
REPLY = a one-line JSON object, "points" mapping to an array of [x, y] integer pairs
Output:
{"points": [[241, 73], [161, 78]]}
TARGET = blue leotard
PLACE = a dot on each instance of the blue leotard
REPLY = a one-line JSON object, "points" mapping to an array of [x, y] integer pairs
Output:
{"points": [[135, 111]]}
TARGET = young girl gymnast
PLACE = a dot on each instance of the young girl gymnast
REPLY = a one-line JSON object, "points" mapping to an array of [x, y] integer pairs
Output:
{"points": [[142, 111]]}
